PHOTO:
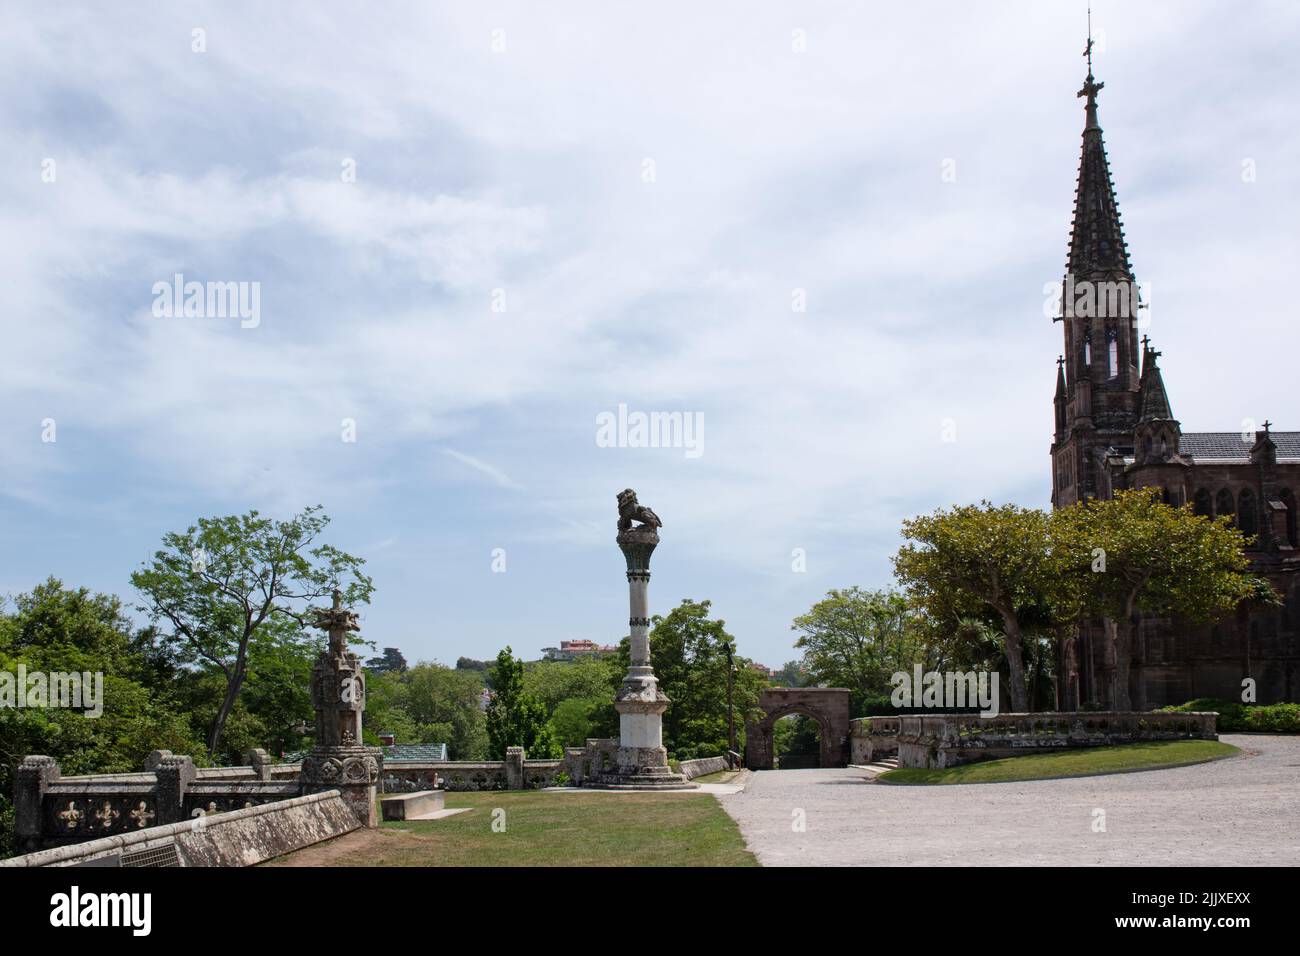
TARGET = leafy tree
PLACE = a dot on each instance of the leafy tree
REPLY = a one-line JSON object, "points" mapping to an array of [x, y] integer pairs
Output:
{"points": [[571, 721], [225, 583], [553, 682], [390, 660], [974, 560], [1133, 553], [859, 639], [796, 736], [515, 718], [791, 674], [690, 663], [444, 703], [61, 629]]}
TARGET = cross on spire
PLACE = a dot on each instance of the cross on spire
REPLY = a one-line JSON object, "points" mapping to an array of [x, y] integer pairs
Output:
{"points": [[1090, 87], [1087, 50]]}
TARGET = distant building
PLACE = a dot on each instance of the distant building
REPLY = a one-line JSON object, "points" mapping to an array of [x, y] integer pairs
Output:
{"points": [[572, 650], [761, 668]]}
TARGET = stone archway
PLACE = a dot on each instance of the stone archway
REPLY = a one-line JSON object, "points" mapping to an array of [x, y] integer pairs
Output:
{"points": [[829, 706]]}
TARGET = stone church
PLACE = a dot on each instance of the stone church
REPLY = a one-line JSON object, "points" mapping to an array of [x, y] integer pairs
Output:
{"points": [[1115, 429]]}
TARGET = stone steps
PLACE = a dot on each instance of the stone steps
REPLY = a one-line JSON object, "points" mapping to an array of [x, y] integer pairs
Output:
{"points": [[412, 806], [876, 768]]}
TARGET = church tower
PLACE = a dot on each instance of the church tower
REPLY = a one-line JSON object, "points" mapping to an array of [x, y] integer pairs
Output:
{"points": [[1097, 390]]}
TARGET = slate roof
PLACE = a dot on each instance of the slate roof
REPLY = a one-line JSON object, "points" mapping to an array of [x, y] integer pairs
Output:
{"points": [[1228, 446], [400, 752]]}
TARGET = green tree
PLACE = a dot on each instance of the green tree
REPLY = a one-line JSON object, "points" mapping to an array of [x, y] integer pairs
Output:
{"points": [[976, 560], [445, 705], [690, 664], [571, 721], [858, 639], [515, 718], [390, 660], [226, 583], [63, 629], [1134, 554], [588, 678]]}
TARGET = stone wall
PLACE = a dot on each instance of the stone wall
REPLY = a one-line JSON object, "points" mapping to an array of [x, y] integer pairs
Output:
{"points": [[947, 740], [872, 739], [236, 838], [690, 769]]}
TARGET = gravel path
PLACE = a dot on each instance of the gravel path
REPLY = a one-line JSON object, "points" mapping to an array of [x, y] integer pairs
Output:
{"points": [[1239, 811]]}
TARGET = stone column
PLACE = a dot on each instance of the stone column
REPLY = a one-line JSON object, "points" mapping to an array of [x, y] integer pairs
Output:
{"points": [[173, 773], [340, 761], [32, 778], [515, 768], [641, 760]]}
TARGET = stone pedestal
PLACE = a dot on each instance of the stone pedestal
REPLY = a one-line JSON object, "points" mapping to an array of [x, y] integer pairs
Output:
{"points": [[641, 762], [339, 761]]}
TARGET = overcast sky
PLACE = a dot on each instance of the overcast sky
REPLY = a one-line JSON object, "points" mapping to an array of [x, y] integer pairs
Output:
{"points": [[645, 189]]}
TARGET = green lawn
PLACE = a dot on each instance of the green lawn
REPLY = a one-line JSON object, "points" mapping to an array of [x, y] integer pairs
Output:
{"points": [[1151, 755], [552, 829]]}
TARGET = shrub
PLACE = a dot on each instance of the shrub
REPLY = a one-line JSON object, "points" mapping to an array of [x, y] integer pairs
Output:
{"points": [[1232, 716], [1275, 718], [1235, 718]]}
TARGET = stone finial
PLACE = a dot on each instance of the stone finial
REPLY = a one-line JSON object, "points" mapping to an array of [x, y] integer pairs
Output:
{"points": [[338, 620]]}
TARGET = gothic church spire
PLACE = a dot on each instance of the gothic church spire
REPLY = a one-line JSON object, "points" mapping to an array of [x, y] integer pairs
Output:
{"points": [[1097, 248]]}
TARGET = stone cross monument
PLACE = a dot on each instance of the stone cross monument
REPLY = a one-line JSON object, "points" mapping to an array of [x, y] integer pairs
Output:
{"points": [[641, 760], [339, 761]]}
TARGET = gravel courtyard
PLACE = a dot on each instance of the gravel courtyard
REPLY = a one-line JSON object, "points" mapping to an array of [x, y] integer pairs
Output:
{"points": [[1238, 811]]}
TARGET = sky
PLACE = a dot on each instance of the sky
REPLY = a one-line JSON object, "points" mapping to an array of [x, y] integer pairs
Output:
{"points": [[823, 232]]}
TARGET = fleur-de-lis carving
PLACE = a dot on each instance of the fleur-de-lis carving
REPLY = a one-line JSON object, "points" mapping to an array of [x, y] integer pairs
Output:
{"points": [[106, 815], [71, 816], [142, 815]]}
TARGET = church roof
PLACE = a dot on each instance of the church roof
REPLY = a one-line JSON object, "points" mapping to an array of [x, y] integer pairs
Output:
{"points": [[1097, 248], [1154, 400], [1229, 446]]}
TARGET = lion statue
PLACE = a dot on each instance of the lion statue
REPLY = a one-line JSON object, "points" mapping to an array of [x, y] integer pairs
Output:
{"points": [[629, 511]]}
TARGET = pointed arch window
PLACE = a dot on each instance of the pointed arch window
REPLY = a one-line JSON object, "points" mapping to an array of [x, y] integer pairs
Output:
{"points": [[1087, 347], [1224, 506], [1201, 503], [1112, 354], [1247, 513], [1288, 499]]}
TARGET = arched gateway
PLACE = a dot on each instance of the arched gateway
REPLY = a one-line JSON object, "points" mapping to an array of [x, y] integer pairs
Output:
{"points": [[829, 706]]}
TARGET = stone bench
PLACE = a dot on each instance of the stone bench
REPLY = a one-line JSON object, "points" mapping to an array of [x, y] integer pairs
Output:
{"points": [[412, 806]]}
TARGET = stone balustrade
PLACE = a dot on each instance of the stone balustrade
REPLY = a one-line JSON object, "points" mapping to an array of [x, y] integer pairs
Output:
{"points": [[947, 740], [51, 810], [873, 738]]}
